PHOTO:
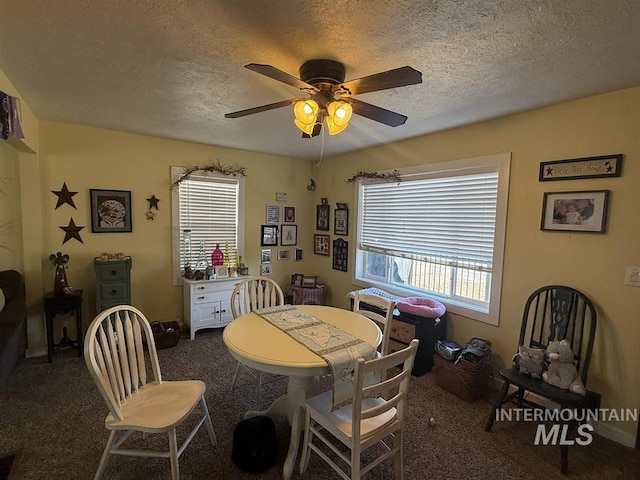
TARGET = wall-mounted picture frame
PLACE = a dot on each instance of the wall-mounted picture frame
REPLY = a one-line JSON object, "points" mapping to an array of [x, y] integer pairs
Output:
{"points": [[268, 235], [322, 217], [289, 215], [221, 271], [580, 211], [273, 214], [111, 211], [297, 256], [309, 281], [266, 255], [340, 255], [577, 168], [341, 221], [296, 279], [321, 244], [283, 254], [265, 269], [289, 235]]}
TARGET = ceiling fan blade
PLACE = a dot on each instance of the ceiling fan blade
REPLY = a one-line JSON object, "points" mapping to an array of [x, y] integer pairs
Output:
{"points": [[276, 74], [398, 77], [378, 114], [261, 108]]}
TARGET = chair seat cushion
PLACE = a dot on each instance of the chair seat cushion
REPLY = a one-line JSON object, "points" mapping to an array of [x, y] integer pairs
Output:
{"points": [[158, 407], [421, 306], [542, 388], [340, 419]]}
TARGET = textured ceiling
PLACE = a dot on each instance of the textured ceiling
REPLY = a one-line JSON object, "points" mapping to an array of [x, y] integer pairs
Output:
{"points": [[173, 68]]}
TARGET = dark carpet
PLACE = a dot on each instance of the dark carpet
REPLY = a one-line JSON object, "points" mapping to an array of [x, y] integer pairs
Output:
{"points": [[54, 413]]}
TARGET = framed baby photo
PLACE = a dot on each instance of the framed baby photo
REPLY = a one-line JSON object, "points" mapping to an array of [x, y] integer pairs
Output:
{"points": [[584, 211]]}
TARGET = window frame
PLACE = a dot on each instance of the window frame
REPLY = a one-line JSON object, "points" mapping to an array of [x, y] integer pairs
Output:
{"points": [[501, 163], [176, 236]]}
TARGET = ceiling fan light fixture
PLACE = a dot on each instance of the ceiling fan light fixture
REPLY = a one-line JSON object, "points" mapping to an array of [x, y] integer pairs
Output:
{"points": [[306, 111], [332, 128], [340, 112], [306, 128]]}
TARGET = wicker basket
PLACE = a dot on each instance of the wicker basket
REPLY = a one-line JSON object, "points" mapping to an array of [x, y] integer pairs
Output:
{"points": [[466, 380], [165, 334]]}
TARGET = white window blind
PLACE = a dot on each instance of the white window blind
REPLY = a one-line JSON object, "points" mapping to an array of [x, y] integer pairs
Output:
{"points": [[449, 220], [208, 209]]}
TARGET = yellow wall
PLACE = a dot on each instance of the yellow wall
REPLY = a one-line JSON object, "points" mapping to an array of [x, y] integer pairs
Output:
{"points": [[88, 158], [593, 263]]}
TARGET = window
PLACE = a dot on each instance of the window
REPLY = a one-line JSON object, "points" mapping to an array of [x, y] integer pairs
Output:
{"points": [[439, 233], [207, 210]]}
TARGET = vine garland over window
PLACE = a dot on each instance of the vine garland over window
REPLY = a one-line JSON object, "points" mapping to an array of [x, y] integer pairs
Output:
{"points": [[215, 167], [387, 176]]}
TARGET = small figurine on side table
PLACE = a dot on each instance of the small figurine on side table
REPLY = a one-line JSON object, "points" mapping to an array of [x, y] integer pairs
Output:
{"points": [[60, 285]]}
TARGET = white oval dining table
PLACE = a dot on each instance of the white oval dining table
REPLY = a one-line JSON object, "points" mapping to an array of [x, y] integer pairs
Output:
{"points": [[255, 342]]}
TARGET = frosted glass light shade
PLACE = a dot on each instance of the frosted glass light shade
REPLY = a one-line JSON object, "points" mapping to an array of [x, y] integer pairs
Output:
{"points": [[306, 111]]}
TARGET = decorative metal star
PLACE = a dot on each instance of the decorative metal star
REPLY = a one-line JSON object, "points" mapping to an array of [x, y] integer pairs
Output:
{"points": [[153, 202], [150, 215], [64, 196], [549, 171], [71, 231]]}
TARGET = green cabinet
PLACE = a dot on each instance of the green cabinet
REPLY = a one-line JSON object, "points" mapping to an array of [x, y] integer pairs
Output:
{"points": [[113, 283]]}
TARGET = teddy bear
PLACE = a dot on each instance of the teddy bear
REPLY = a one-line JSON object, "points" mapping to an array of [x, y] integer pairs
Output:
{"points": [[562, 371]]}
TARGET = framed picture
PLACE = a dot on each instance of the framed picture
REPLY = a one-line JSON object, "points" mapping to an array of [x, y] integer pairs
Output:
{"points": [[110, 211], [340, 255], [309, 281], [289, 235], [321, 244], [322, 217], [297, 255], [266, 255], [575, 211], [283, 254], [289, 215], [296, 279], [265, 269], [576, 168], [273, 213], [341, 221], [268, 235], [221, 271]]}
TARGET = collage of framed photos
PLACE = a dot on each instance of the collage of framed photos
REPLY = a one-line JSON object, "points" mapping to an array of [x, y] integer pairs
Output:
{"points": [[322, 242], [279, 230]]}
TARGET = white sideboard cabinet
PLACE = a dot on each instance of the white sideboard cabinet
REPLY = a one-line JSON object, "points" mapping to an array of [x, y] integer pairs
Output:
{"points": [[207, 303]]}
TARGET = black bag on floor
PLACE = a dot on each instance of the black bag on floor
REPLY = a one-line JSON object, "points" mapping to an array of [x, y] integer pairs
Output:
{"points": [[254, 444]]}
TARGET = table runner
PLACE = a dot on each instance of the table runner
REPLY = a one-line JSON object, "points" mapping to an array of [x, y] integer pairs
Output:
{"points": [[338, 348]]}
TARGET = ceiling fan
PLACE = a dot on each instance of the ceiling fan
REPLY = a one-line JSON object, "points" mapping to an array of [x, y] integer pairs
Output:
{"points": [[330, 98]]}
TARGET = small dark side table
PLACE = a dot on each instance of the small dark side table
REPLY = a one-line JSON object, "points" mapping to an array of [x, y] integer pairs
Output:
{"points": [[63, 305]]}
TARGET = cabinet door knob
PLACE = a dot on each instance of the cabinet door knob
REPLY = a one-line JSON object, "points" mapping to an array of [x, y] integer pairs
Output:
{"points": [[200, 298], [113, 272], [113, 292], [200, 288]]}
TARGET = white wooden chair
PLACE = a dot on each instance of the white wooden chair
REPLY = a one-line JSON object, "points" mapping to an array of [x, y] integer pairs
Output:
{"points": [[114, 353], [376, 416], [252, 294], [383, 321]]}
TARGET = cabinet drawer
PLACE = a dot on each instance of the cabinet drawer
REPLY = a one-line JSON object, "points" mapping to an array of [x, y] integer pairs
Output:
{"points": [[110, 292], [197, 290], [206, 297], [405, 332], [113, 273]]}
